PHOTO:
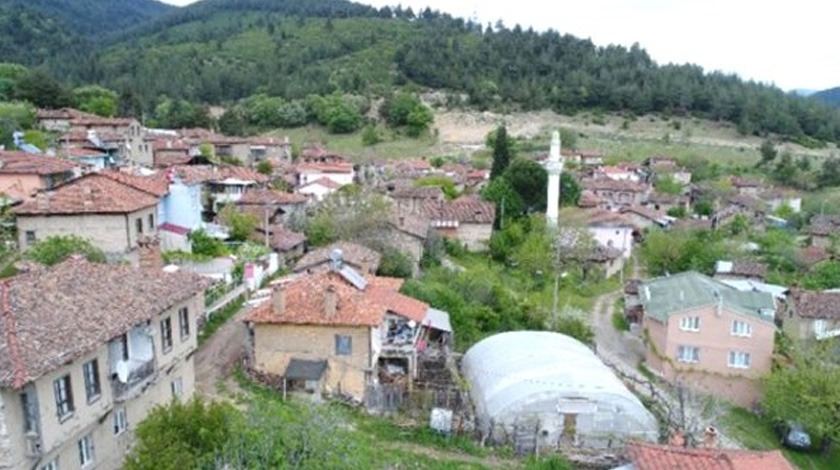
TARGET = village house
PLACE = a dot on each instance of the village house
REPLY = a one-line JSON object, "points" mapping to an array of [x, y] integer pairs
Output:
{"points": [[811, 315], [621, 172], [86, 351], [168, 152], [112, 215], [319, 189], [359, 257], [664, 202], [339, 173], [584, 158], [616, 193], [746, 186], [23, 174], [288, 244], [821, 229], [408, 234], [645, 218], [410, 200], [468, 219], [339, 332], [58, 120], [748, 270], [708, 335], [612, 230], [275, 206]]}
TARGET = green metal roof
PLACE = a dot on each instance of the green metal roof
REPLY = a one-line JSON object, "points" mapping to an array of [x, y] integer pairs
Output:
{"points": [[677, 293]]}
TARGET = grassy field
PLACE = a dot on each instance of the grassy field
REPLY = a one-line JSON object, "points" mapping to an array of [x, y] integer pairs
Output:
{"points": [[461, 134], [757, 434]]}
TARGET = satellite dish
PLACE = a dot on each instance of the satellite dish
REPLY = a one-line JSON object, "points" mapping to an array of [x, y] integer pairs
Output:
{"points": [[412, 323], [122, 371]]}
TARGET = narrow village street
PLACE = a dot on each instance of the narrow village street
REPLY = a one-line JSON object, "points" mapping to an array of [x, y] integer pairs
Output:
{"points": [[217, 358]]}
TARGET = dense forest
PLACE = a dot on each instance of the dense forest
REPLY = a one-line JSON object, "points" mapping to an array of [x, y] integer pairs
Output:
{"points": [[229, 51], [830, 96]]}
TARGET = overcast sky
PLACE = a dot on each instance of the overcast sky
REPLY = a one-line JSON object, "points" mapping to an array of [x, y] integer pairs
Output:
{"points": [[785, 43]]}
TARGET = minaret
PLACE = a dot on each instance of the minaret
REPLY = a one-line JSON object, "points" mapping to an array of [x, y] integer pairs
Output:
{"points": [[554, 168]]}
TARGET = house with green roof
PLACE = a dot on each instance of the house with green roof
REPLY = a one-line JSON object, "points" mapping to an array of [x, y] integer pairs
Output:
{"points": [[708, 335]]}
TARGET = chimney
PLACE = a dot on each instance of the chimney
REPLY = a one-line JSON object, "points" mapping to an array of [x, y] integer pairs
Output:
{"points": [[278, 299], [336, 259], [710, 435], [43, 201], [149, 252], [330, 301]]}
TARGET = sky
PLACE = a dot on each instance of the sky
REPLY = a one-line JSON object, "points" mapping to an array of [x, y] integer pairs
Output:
{"points": [[782, 43]]}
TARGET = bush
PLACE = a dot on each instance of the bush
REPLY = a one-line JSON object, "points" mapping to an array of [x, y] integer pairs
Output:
{"points": [[395, 263], [204, 244], [55, 249]]}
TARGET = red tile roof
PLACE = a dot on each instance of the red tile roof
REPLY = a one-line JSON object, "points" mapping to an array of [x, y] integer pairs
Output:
{"points": [[192, 174], [28, 163], [607, 184], [646, 456], [324, 168], [819, 305], [280, 238], [83, 152], [155, 184], [465, 210], [90, 194], [172, 228], [51, 316], [305, 302], [262, 196]]}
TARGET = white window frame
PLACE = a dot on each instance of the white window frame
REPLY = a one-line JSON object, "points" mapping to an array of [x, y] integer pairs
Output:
{"points": [[688, 354], [739, 360], [177, 386], [120, 421], [690, 323], [86, 451], [51, 465], [741, 328]]}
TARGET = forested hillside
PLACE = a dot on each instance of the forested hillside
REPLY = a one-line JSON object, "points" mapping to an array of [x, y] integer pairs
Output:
{"points": [[225, 51], [830, 96], [95, 18]]}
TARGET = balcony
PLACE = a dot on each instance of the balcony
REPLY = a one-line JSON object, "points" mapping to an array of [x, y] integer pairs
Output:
{"points": [[130, 377]]}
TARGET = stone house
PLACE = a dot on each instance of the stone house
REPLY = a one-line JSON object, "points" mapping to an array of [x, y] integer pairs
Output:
{"points": [[409, 235], [708, 335], [617, 193], [809, 315], [748, 270], [360, 258], [112, 215], [348, 330], [23, 174], [468, 219], [283, 208], [412, 199], [86, 351], [746, 186], [168, 152], [290, 245], [822, 228]]}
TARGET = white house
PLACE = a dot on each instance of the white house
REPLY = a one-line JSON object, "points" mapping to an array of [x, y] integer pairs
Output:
{"points": [[339, 172], [319, 188], [612, 230]]}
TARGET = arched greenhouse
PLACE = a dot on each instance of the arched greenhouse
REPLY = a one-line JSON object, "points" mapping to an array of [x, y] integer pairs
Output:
{"points": [[554, 387]]}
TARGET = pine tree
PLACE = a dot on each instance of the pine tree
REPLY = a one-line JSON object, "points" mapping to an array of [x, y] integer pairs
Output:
{"points": [[501, 153]]}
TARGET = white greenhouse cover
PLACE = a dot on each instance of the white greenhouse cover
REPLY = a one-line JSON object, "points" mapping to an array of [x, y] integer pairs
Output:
{"points": [[540, 374]]}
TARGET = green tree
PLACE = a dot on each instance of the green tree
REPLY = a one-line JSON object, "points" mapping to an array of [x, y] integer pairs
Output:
{"points": [[182, 435], [530, 180], [419, 120], [768, 153], [807, 392], [568, 138], [666, 184], [55, 249], [205, 245], [351, 214], [264, 167], [241, 225], [501, 153], [15, 116], [569, 190], [42, 90], [509, 204], [96, 99], [395, 263], [443, 182], [370, 136]]}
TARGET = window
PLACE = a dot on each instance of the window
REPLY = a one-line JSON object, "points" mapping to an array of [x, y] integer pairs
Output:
{"points": [[177, 387], [30, 237], [123, 345], [151, 222], [30, 411], [51, 465], [343, 345], [184, 323], [688, 354], [819, 328], [138, 224], [86, 450], [690, 323], [739, 359], [90, 370], [741, 328], [63, 397], [120, 421], [166, 334]]}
